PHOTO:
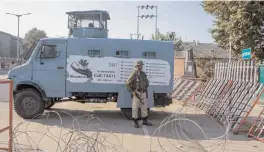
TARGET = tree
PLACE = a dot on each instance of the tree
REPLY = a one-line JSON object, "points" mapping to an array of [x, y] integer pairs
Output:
{"points": [[31, 36], [238, 22], [170, 36]]}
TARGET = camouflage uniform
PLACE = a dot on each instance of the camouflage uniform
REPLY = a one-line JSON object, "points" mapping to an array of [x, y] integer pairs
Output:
{"points": [[139, 83]]}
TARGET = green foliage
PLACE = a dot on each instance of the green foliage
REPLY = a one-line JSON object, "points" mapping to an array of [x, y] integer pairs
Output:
{"points": [[31, 36], [170, 36], [240, 22]]}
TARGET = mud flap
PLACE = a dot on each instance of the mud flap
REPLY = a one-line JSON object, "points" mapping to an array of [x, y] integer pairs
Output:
{"points": [[124, 99], [150, 97]]}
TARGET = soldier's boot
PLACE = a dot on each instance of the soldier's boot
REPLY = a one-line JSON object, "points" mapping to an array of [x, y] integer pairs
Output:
{"points": [[136, 125], [145, 122]]}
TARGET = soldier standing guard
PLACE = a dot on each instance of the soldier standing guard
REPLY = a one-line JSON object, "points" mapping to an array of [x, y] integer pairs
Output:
{"points": [[137, 84]]}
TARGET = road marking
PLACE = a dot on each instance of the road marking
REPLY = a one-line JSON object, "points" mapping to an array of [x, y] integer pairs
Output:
{"points": [[145, 129]]}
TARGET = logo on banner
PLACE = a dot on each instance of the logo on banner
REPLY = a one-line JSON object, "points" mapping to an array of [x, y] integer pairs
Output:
{"points": [[81, 67]]}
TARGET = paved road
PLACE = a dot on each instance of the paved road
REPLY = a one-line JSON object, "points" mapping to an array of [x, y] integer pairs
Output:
{"points": [[114, 131], [119, 131]]}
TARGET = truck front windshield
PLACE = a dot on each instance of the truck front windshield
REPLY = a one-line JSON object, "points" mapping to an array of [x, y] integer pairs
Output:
{"points": [[30, 51]]}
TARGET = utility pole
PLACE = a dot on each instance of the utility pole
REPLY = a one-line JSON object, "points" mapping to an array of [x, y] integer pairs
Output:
{"points": [[138, 24], [156, 25], [148, 16], [18, 39], [230, 49]]}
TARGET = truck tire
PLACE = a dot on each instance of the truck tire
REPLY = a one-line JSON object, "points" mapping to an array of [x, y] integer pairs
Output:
{"points": [[127, 113], [28, 103]]}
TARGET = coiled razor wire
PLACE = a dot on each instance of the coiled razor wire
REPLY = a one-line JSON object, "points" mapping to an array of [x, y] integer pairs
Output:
{"points": [[76, 139], [185, 141], [94, 138]]}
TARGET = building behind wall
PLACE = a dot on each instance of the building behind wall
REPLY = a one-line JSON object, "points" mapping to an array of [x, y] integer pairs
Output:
{"points": [[203, 54], [8, 45]]}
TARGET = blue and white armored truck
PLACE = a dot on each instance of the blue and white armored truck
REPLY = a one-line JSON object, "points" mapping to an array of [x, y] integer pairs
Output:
{"points": [[89, 67]]}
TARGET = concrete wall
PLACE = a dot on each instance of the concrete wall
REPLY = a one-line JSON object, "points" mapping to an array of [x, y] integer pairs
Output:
{"points": [[178, 67]]}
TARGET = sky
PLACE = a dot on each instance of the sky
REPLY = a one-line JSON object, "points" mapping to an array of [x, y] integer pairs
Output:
{"points": [[186, 18]]}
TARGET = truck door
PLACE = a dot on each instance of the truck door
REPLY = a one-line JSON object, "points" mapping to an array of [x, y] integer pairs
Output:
{"points": [[49, 68]]}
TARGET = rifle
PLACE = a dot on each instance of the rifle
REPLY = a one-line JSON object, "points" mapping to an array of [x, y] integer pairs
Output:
{"points": [[138, 96]]}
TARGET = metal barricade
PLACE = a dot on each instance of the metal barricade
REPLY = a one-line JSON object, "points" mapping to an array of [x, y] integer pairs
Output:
{"points": [[257, 129], [10, 126]]}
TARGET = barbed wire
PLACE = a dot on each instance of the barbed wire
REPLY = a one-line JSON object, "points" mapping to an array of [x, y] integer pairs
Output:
{"points": [[86, 134], [91, 138], [185, 141]]}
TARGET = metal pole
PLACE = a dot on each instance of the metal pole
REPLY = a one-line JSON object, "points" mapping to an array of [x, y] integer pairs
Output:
{"points": [[230, 49], [18, 43], [138, 24], [18, 40], [156, 28]]}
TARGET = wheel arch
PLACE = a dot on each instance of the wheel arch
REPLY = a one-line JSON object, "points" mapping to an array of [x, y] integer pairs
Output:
{"points": [[29, 84]]}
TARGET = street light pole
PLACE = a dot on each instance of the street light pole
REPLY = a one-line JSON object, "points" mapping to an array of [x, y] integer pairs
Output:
{"points": [[18, 24]]}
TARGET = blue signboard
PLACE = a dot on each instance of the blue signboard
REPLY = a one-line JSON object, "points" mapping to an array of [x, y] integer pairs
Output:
{"points": [[246, 53]]}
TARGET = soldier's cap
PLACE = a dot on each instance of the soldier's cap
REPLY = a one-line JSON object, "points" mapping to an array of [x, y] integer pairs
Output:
{"points": [[138, 63]]}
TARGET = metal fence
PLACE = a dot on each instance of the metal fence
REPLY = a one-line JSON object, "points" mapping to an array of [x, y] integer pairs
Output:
{"points": [[245, 71], [232, 93], [229, 96]]}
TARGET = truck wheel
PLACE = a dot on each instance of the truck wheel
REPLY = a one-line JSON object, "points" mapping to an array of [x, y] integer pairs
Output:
{"points": [[127, 113], [28, 104]]}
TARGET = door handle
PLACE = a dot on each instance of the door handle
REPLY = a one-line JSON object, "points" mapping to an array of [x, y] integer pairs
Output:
{"points": [[60, 67]]}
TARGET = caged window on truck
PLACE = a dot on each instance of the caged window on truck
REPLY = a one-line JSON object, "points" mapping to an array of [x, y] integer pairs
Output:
{"points": [[48, 51], [149, 54], [122, 53], [86, 22], [94, 53]]}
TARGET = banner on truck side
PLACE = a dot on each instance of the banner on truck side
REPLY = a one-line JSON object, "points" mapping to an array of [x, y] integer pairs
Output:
{"points": [[114, 70]]}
